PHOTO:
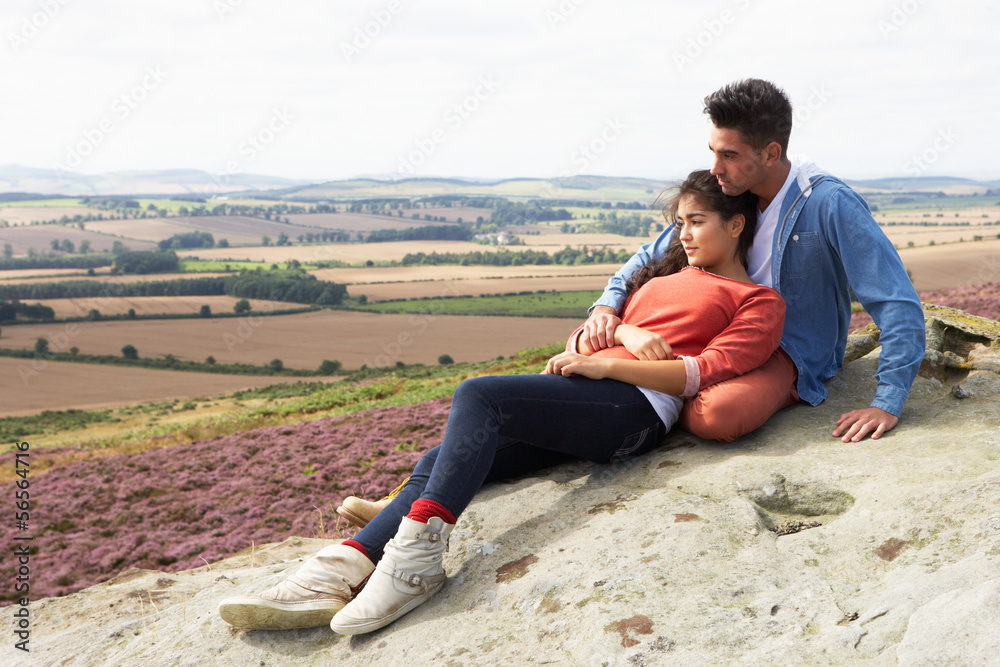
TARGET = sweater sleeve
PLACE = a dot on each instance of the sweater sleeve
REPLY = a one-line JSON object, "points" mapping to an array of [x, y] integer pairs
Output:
{"points": [[747, 342]]}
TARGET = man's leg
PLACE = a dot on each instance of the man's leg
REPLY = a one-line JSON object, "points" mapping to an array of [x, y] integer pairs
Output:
{"points": [[730, 409]]}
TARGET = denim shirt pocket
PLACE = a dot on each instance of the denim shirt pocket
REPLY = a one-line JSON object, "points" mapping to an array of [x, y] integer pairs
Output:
{"points": [[802, 255]]}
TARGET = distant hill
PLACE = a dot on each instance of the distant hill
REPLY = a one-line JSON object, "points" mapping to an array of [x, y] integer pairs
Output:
{"points": [[19, 179], [601, 188], [16, 178]]}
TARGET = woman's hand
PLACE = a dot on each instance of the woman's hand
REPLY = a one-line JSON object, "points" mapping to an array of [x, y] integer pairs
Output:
{"points": [[573, 363], [642, 344]]}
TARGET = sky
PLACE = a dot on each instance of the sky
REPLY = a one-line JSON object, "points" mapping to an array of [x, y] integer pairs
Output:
{"points": [[321, 90]]}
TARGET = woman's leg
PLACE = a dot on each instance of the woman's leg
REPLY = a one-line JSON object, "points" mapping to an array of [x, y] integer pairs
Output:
{"points": [[597, 420], [380, 529]]}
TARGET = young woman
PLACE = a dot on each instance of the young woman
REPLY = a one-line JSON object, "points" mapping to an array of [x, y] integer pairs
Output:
{"points": [[692, 320]]}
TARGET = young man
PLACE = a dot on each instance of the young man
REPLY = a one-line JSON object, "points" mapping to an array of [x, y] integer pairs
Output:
{"points": [[815, 239]]}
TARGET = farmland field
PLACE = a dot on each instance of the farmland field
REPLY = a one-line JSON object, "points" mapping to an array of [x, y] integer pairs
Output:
{"points": [[62, 385], [145, 229], [953, 265], [154, 305], [104, 277], [475, 287], [40, 237], [344, 252], [361, 222], [32, 275], [240, 229], [302, 340], [25, 215], [382, 283]]}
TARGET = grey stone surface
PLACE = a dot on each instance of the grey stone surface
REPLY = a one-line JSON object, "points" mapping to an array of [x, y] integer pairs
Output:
{"points": [[787, 547]]}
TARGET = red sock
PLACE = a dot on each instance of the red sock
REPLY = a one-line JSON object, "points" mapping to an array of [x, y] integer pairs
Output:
{"points": [[358, 546], [423, 510]]}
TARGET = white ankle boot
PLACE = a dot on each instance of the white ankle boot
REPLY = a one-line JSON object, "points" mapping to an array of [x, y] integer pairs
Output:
{"points": [[409, 573], [309, 598]]}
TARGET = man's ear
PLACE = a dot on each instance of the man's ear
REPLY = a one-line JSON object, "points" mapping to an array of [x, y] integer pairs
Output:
{"points": [[771, 153]]}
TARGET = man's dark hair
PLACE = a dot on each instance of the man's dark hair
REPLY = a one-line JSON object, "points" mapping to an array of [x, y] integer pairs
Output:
{"points": [[757, 109]]}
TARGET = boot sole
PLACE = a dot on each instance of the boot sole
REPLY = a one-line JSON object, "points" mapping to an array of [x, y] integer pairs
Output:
{"points": [[371, 626], [254, 614], [356, 519]]}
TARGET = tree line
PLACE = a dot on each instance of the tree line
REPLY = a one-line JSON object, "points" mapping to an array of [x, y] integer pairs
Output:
{"points": [[567, 256], [291, 285]]}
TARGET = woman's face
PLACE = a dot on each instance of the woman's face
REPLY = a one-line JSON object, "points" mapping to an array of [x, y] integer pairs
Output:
{"points": [[708, 240]]}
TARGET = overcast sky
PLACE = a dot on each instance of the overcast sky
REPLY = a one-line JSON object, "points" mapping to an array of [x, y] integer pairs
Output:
{"points": [[322, 89]]}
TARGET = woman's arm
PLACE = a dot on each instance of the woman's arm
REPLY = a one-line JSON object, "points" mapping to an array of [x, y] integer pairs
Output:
{"points": [[666, 376], [642, 344]]}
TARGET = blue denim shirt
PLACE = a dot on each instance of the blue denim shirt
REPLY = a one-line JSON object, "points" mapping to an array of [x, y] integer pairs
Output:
{"points": [[827, 241]]}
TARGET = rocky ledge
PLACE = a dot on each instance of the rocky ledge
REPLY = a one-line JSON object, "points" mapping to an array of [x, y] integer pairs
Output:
{"points": [[787, 547]]}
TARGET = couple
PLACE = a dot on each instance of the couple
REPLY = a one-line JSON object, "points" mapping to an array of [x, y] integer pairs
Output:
{"points": [[695, 313]]}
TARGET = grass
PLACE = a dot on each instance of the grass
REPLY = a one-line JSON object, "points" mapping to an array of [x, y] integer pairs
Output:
{"points": [[213, 266], [50, 422], [539, 304], [42, 203], [164, 423]]}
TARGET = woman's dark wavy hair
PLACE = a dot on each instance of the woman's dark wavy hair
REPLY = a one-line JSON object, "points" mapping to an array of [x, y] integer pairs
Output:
{"points": [[704, 187]]}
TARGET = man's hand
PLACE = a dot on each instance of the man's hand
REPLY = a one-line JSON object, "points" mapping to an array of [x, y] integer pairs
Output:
{"points": [[644, 345], [599, 329], [859, 423]]}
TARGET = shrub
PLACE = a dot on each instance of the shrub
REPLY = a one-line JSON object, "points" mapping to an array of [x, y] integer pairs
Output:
{"points": [[329, 367], [129, 352], [445, 359]]}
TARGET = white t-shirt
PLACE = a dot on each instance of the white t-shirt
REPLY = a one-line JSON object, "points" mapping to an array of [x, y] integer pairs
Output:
{"points": [[763, 241]]}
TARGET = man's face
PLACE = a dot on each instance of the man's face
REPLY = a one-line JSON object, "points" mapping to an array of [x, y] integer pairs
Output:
{"points": [[736, 165]]}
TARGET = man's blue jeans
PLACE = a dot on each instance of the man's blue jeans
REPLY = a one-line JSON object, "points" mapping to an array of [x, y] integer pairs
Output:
{"points": [[509, 425]]}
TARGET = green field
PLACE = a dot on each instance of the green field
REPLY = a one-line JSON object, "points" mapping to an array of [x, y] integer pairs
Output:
{"points": [[213, 266], [937, 204], [540, 304], [42, 203]]}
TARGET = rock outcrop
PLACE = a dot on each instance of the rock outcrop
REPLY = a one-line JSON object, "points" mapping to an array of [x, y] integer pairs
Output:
{"points": [[787, 547]]}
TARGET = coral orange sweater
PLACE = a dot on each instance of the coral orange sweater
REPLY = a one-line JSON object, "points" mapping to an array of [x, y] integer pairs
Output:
{"points": [[722, 327]]}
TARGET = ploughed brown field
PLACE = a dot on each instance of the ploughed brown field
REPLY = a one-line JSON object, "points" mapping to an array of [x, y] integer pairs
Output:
{"points": [[413, 282], [34, 386], [345, 252], [475, 287], [303, 340], [25, 215], [9, 276], [103, 277], [153, 305], [953, 265], [40, 238], [146, 229]]}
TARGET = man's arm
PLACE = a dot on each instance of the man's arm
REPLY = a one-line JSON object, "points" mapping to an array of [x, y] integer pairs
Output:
{"points": [[599, 330], [876, 273]]}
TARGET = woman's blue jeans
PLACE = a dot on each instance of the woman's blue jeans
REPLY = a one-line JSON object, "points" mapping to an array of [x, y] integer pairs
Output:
{"points": [[508, 425]]}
